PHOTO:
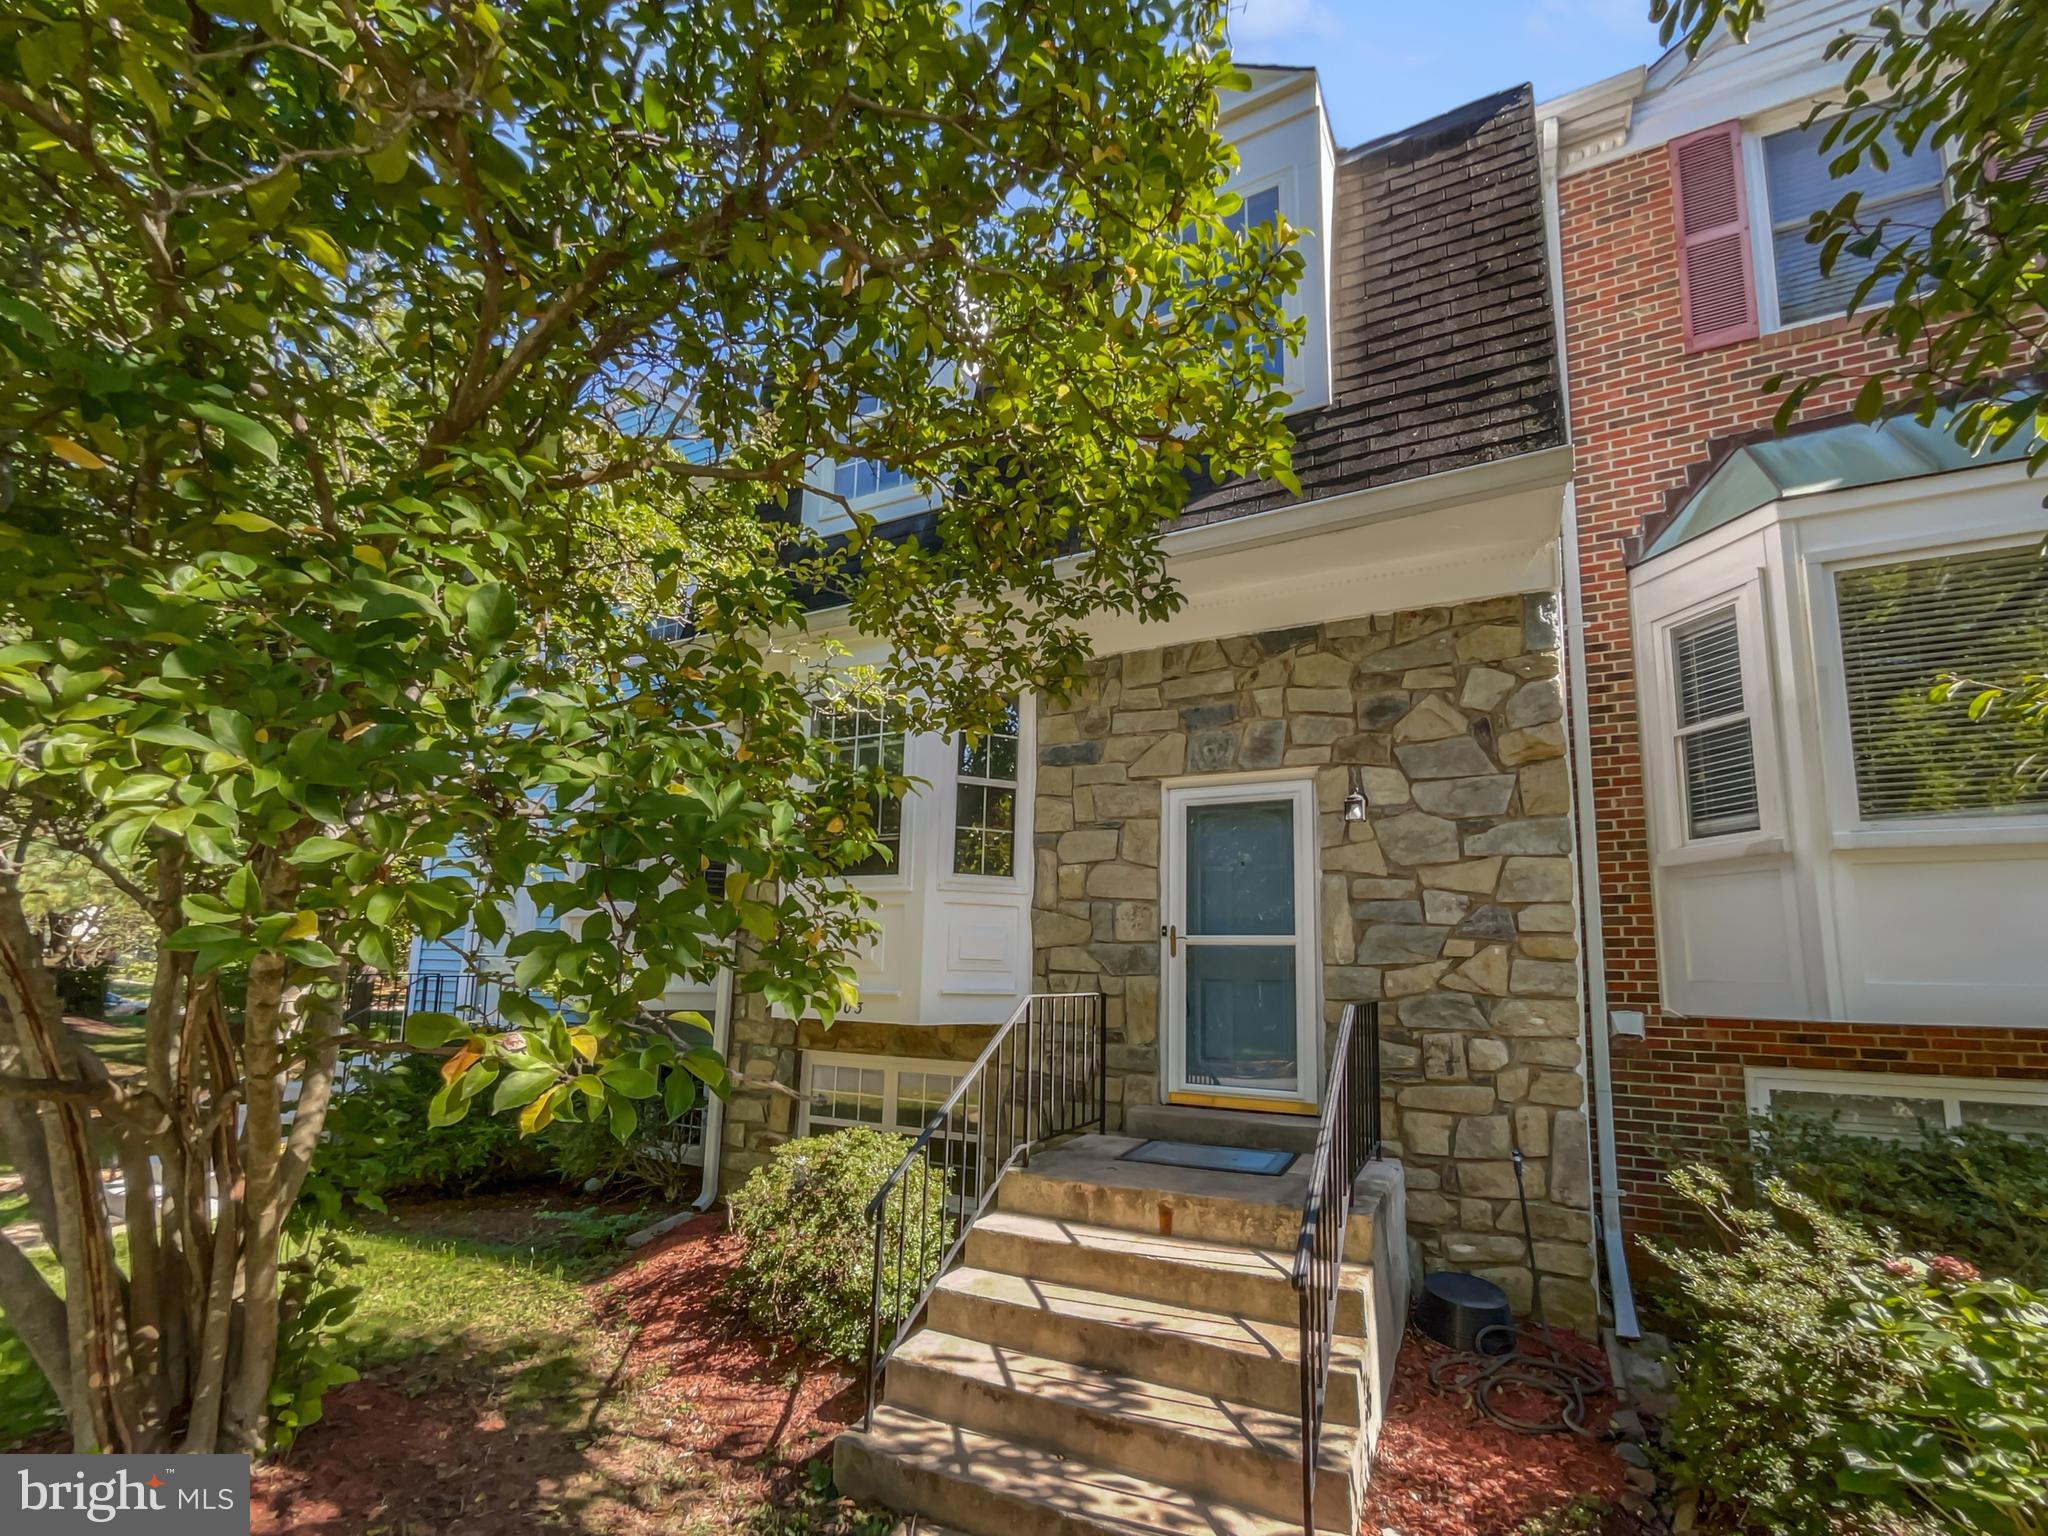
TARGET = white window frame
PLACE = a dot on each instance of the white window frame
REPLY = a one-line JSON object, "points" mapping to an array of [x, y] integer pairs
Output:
{"points": [[1762, 1082], [1663, 757], [1849, 826], [891, 1068], [898, 878], [1762, 247], [948, 818]]}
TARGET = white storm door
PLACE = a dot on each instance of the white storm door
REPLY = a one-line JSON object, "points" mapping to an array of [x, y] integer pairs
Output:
{"points": [[1242, 1011]]}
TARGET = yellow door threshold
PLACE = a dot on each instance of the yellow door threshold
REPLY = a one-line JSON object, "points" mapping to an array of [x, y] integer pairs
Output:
{"points": [[1229, 1101]]}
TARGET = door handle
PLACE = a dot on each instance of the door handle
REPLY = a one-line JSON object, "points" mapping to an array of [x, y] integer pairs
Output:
{"points": [[1172, 936]]}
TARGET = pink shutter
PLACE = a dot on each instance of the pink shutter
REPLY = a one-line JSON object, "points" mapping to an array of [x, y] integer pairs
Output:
{"points": [[2025, 165], [1716, 278]]}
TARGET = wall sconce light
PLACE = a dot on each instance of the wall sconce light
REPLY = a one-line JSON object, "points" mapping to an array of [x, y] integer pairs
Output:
{"points": [[1355, 802]]}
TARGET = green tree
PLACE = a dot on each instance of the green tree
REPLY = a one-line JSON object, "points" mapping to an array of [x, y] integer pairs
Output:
{"points": [[378, 378], [1964, 301]]}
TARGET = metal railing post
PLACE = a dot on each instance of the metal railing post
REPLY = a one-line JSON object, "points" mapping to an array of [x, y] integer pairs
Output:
{"points": [[1026, 1112]]}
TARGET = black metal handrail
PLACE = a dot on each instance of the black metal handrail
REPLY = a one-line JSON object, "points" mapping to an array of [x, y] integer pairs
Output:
{"points": [[1346, 1140], [1043, 1074]]}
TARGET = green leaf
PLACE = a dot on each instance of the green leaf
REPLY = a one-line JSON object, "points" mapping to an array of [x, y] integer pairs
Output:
{"points": [[488, 616], [245, 430], [448, 1105], [429, 1031], [679, 1094], [177, 736], [248, 522], [271, 200], [631, 1081], [321, 850], [319, 248], [521, 1088], [625, 1120], [390, 163]]}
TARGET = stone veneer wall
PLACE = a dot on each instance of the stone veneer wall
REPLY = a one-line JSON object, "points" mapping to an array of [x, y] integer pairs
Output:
{"points": [[1452, 902]]}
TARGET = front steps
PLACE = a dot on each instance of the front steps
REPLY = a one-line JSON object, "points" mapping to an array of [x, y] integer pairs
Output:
{"points": [[1117, 1353]]}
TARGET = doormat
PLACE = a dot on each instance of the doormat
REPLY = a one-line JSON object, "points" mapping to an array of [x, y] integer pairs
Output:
{"points": [[1188, 1154]]}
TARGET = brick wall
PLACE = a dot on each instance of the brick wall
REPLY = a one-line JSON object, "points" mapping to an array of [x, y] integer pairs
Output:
{"points": [[1644, 412]]}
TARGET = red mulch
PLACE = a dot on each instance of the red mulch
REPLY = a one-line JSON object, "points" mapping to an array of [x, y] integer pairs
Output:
{"points": [[702, 1417], [1445, 1469], [727, 1392]]}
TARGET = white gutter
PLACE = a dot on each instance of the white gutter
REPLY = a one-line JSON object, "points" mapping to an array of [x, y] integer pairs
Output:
{"points": [[1593, 932], [714, 1106]]}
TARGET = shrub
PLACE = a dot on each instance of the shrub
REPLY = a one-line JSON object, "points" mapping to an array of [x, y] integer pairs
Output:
{"points": [[1825, 1386], [1762, 1366], [1972, 1191], [1962, 1439], [378, 1144], [587, 1154], [809, 1261]]}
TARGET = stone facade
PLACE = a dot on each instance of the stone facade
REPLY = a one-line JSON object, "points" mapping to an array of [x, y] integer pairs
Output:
{"points": [[766, 1060], [1452, 903]]}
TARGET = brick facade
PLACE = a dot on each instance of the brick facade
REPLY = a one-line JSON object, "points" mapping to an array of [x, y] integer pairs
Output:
{"points": [[1644, 413]]}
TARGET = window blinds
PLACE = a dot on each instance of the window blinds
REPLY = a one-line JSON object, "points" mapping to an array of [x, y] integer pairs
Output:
{"points": [[1717, 756], [1908, 192], [1905, 627]]}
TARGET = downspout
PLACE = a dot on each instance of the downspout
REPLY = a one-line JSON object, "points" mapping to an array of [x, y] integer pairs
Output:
{"points": [[1593, 932], [714, 1106]]}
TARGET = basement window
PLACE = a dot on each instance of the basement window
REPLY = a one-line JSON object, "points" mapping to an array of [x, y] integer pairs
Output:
{"points": [[1896, 1107]]}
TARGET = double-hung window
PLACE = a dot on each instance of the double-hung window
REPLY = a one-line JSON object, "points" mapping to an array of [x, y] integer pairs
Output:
{"points": [[1907, 191], [1905, 626], [1716, 739], [869, 737], [985, 802]]}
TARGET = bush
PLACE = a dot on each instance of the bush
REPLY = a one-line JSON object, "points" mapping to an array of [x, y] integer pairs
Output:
{"points": [[1824, 1385], [809, 1260], [1963, 1437], [378, 1144], [82, 991], [1971, 1191], [587, 1154]]}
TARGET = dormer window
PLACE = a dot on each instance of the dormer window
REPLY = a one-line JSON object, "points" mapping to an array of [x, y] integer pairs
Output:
{"points": [[1259, 206]]}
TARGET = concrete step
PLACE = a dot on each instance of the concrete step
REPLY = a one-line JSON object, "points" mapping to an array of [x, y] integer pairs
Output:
{"points": [[1090, 1181], [1222, 1127], [1227, 1452], [982, 1483], [1221, 1277], [1237, 1359]]}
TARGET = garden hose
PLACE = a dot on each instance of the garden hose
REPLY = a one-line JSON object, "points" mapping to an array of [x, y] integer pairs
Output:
{"points": [[1532, 1362]]}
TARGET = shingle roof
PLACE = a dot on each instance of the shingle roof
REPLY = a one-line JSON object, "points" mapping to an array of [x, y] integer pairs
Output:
{"points": [[1443, 352]]}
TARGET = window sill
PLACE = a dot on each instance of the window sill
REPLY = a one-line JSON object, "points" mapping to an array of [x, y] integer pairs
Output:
{"points": [[1976, 833], [1723, 850]]}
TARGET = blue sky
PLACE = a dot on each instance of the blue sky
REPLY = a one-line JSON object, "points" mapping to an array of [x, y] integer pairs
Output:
{"points": [[1388, 63]]}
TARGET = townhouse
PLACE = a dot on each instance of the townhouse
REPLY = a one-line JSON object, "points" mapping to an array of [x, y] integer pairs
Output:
{"points": [[1809, 888], [1337, 775]]}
